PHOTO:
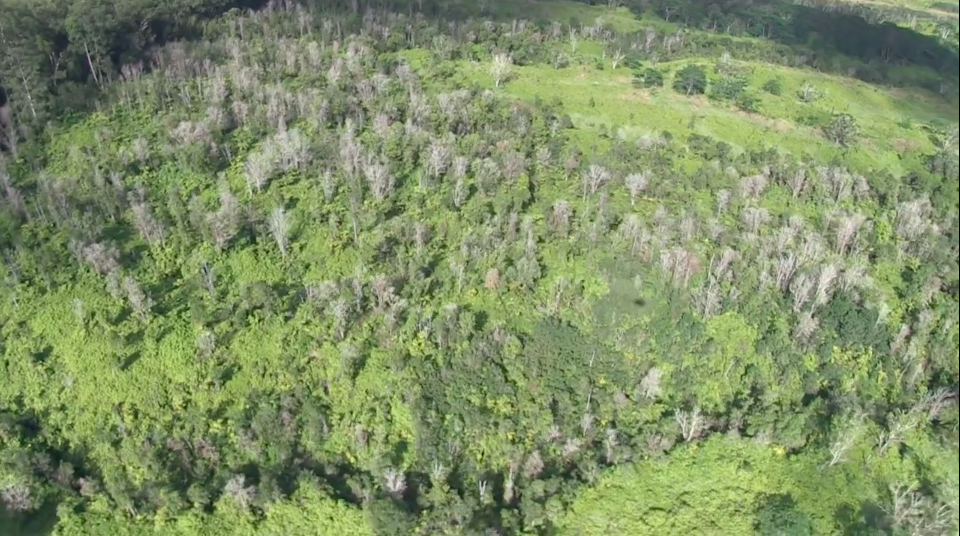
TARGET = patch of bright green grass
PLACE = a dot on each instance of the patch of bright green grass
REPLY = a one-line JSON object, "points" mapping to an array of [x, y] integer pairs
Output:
{"points": [[605, 100]]}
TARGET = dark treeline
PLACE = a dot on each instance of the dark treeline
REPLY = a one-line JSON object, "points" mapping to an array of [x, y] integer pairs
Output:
{"points": [[55, 55]]}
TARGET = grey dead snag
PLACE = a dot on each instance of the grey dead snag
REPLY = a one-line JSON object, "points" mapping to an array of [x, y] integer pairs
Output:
{"points": [[500, 68], [593, 179], [636, 184], [105, 259], [279, 224], [691, 423], [236, 487]]}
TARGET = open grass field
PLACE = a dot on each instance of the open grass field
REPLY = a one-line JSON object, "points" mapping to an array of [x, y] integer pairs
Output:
{"points": [[895, 122], [892, 120]]}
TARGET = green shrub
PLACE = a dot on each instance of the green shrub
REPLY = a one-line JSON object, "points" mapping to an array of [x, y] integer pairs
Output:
{"points": [[814, 118], [691, 80], [728, 88], [773, 86], [748, 101], [842, 129], [808, 93], [649, 78], [778, 516], [561, 61]]}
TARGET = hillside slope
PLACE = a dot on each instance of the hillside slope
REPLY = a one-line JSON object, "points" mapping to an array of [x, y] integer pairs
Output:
{"points": [[394, 274]]}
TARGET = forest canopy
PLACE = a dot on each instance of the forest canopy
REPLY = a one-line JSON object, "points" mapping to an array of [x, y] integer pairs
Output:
{"points": [[438, 267]]}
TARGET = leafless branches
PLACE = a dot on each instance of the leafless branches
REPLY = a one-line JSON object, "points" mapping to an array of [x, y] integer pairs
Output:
{"points": [[691, 423], [192, 133], [838, 182], [917, 514], [285, 151], [501, 68], [560, 216], [341, 311], [912, 218], [636, 184], [12, 195], [680, 264], [279, 224], [723, 200], [379, 180], [593, 179], [826, 279], [224, 223], [898, 424], [514, 163], [847, 228], [650, 385], [533, 466], [383, 290], [259, 169], [438, 158], [104, 259], [151, 230], [798, 182], [807, 325], [17, 497], [754, 218], [752, 187], [139, 301], [395, 482], [785, 270], [236, 487], [846, 433]]}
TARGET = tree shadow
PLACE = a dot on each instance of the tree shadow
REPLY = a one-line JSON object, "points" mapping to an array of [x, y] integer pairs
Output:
{"points": [[43, 355], [869, 519], [130, 360], [38, 523]]}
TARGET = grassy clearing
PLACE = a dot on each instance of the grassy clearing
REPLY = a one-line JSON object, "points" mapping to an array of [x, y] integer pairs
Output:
{"points": [[891, 120], [606, 99]]}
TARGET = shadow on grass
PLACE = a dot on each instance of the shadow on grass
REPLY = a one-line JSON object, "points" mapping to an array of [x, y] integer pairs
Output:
{"points": [[828, 39]]}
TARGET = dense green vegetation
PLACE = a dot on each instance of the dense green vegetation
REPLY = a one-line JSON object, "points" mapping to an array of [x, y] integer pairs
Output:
{"points": [[428, 268]]}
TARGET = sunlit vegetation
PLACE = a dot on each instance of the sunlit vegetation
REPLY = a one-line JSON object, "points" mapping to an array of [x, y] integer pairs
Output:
{"points": [[476, 268]]}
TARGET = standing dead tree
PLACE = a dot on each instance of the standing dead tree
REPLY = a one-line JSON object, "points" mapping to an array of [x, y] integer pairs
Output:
{"points": [[593, 179], [636, 184], [279, 224], [150, 229], [224, 224], [846, 433], [501, 68], [691, 423]]}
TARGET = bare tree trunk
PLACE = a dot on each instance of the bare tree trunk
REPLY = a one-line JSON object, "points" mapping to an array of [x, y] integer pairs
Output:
{"points": [[93, 68]]}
